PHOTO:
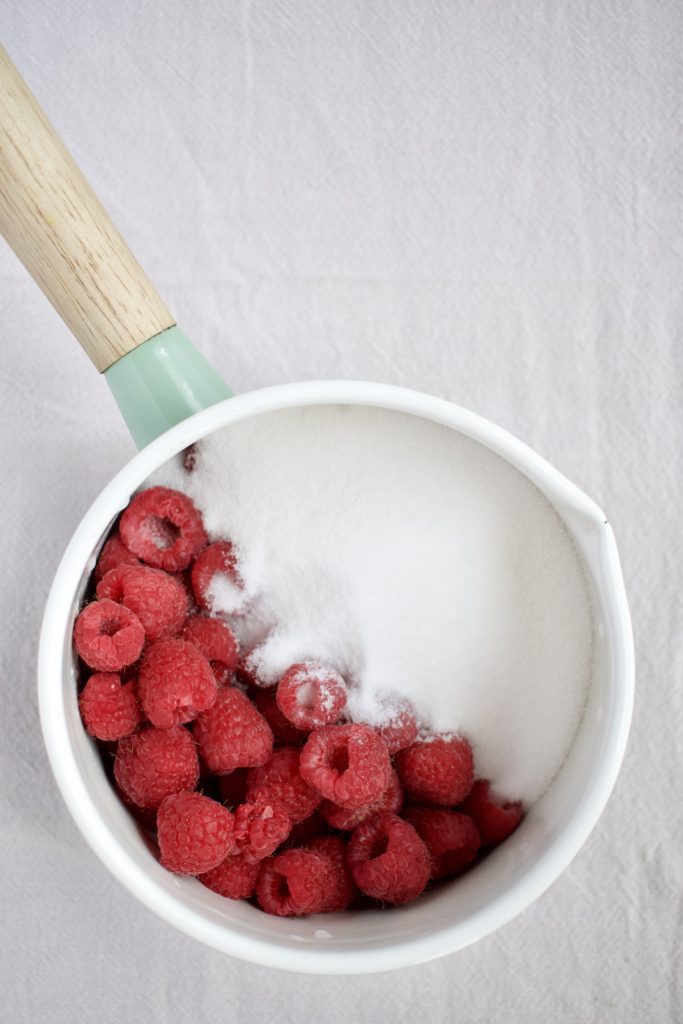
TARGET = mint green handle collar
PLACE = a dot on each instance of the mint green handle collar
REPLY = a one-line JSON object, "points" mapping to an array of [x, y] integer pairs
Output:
{"points": [[162, 382]]}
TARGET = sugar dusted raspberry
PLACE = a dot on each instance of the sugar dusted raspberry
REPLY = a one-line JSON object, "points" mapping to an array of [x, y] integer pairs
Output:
{"points": [[108, 636], [113, 554], [347, 820], [347, 764], [157, 599], [248, 668], [108, 709], [233, 787], [216, 579], [195, 833], [437, 770], [388, 860], [495, 821], [217, 643], [154, 763], [451, 838], [342, 888], [260, 826], [295, 882], [235, 877], [175, 683], [400, 729], [162, 527], [280, 779], [232, 733], [283, 730], [311, 695]]}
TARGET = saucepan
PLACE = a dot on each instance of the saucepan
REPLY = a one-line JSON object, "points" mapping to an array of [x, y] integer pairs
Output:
{"points": [[171, 398]]}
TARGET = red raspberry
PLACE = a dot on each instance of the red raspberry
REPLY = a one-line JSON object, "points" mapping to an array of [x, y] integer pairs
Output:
{"points": [[232, 734], [451, 838], [233, 787], [342, 891], [495, 821], [400, 731], [260, 827], [235, 877], [310, 695], [347, 764], [295, 882], [108, 636], [342, 818], [283, 730], [163, 528], [157, 599], [154, 763], [388, 860], [437, 771], [215, 575], [279, 778], [175, 683], [248, 669], [108, 709], [113, 554], [217, 643], [195, 833]]}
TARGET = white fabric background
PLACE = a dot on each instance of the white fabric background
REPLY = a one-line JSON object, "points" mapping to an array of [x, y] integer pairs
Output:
{"points": [[478, 199]]}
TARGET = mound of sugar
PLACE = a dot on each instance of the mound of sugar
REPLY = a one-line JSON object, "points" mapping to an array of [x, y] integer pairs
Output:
{"points": [[413, 561]]}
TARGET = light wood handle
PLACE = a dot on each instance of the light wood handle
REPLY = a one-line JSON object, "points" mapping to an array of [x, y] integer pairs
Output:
{"points": [[54, 222]]}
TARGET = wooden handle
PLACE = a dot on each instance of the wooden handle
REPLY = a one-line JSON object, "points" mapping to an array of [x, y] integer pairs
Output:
{"points": [[54, 222]]}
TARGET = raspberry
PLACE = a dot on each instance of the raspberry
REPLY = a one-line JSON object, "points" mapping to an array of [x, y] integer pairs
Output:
{"points": [[232, 734], [157, 599], [400, 731], [215, 577], [108, 636], [195, 833], [108, 709], [163, 528], [217, 643], [154, 763], [437, 771], [495, 821], [388, 860], [283, 730], [342, 890], [260, 827], [451, 838], [347, 820], [310, 695], [295, 882], [280, 779], [175, 683], [233, 787], [235, 877], [113, 554], [347, 764], [223, 675]]}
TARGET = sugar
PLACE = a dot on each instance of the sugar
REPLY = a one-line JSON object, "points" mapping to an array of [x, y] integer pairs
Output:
{"points": [[413, 561]]}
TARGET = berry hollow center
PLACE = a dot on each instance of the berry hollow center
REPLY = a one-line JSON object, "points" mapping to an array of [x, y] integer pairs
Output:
{"points": [[339, 759], [163, 532]]}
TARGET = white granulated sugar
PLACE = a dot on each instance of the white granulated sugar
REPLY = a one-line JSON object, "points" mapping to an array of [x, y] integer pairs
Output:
{"points": [[413, 561]]}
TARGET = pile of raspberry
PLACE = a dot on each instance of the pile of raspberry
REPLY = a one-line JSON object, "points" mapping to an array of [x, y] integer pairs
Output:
{"points": [[267, 794]]}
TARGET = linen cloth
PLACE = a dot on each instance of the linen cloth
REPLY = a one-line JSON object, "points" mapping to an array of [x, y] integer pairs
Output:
{"points": [[476, 199]]}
